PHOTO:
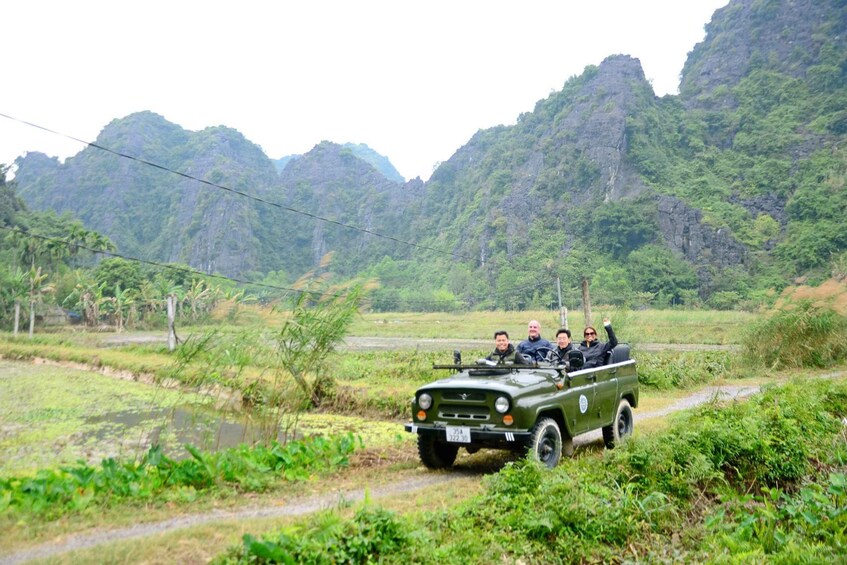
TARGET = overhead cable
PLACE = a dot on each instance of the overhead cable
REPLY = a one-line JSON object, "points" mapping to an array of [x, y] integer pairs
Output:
{"points": [[234, 191]]}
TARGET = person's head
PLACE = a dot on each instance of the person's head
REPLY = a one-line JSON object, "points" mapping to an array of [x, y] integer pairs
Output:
{"points": [[589, 333], [501, 340], [534, 329], [563, 337]]}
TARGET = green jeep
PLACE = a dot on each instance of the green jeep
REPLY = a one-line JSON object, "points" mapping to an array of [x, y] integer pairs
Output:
{"points": [[536, 408]]}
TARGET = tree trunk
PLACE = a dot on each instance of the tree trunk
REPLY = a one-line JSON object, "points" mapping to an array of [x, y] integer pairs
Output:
{"points": [[17, 314]]}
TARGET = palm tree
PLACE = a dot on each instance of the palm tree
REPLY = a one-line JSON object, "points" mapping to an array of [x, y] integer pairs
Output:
{"points": [[37, 289], [15, 288], [195, 296], [149, 298]]}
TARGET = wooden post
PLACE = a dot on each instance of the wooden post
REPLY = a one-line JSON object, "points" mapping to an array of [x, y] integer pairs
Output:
{"points": [[586, 301], [31, 317], [171, 316], [17, 315], [563, 312]]}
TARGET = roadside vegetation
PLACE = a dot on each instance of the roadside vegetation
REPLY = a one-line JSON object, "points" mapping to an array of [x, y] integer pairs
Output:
{"points": [[764, 480], [724, 464]]}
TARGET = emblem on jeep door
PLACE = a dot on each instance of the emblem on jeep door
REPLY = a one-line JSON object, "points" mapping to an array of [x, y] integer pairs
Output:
{"points": [[583, 404]]}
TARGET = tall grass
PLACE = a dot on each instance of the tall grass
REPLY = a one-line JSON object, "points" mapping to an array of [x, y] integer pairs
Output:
{"points": [[803, 334]]}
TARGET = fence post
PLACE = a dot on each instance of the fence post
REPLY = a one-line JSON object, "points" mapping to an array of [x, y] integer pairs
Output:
{"points": [[171, 317]]}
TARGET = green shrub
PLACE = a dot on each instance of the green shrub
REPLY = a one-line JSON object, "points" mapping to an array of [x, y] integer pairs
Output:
{"points": [[804, 336], [667, 370], [371, 533]]}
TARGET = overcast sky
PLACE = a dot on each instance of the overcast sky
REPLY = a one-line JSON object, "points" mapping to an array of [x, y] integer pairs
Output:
{"points": [[413, 80]]}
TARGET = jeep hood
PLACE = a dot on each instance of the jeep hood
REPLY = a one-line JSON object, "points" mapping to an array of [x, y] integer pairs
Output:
{"points": [[513, 384]]}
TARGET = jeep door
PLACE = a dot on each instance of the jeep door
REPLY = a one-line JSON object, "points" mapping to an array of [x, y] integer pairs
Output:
{"points": [[605, 395], [578, 401]]}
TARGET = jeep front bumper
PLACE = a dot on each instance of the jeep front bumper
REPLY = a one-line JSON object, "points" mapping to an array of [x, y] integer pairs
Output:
{"points": [[478, 436]]}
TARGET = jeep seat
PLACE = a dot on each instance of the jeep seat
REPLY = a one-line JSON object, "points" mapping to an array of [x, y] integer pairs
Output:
{"points": [[619, 354]]}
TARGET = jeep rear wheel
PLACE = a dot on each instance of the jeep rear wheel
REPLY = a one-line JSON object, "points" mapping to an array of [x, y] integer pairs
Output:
{"points": [[621, 427], [436, 453], [545, 445]]}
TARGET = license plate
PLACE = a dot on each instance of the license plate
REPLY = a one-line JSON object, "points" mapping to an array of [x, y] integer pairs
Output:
{"points": [[458, 434]]}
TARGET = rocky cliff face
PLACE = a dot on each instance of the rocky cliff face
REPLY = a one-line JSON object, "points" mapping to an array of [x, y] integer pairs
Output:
{"points": [[597, 123], [512, 194], [784, 36], [684, 231]]}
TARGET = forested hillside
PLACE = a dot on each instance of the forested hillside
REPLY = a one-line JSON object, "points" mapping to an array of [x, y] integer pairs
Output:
{"points": [[719, 195]]}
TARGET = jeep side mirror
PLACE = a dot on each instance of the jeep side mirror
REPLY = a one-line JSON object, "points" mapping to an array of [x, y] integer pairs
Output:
{"points": [[575, 359], [457, 357]]}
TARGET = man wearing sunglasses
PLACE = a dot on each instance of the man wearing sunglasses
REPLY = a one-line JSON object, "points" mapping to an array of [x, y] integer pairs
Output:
{"points": [[596, 351]]}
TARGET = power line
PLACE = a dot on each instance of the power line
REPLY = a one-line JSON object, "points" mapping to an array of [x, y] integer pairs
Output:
{"points": [[467, 301], [234, 191]]}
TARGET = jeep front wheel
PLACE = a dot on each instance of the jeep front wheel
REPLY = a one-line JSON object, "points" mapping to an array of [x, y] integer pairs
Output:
{"points": [[621, 427], [545, 444], [435, 453]]}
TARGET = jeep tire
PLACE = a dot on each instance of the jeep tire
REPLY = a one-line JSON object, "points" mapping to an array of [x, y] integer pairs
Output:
{"points": [[436, 453], [545, 444], [621, 426]]}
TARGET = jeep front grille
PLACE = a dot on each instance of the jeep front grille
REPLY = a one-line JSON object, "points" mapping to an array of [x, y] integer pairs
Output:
{"points": [[464, 396], [463, 412]]}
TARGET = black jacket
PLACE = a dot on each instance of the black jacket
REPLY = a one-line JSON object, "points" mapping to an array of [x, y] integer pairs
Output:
{"points": [[595, 354], [508, 357], [559, 355]]}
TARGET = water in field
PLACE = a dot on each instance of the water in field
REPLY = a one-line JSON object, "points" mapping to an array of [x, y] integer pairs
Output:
{"points": [[201, 427], [52, 416]]}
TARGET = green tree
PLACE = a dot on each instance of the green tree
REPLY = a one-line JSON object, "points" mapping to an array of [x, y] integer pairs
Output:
{"points": [[38, 288], [655, 268], [116, 271], [311, 333], [14, 288]]}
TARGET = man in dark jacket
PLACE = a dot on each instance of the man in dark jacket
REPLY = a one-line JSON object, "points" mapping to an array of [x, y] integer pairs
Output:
{"points": [[563, 345], [529, 347], [595, 351], [504, 352]]}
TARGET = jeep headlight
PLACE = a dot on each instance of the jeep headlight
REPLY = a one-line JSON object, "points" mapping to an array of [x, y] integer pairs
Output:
{"points": [[501, 404], [425, 401]]}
